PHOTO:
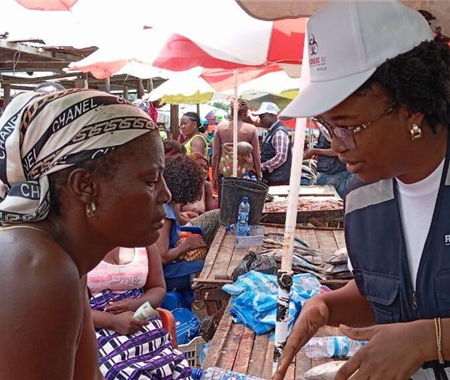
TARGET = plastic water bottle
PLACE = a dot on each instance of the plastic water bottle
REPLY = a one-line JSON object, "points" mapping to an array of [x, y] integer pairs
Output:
{"points": [[243, 214], [215, 373], [254, 177], [332, 346], [246, 176]]}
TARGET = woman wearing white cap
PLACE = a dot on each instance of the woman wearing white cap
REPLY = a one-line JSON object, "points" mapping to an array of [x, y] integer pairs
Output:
{"points": [[380, 91]]}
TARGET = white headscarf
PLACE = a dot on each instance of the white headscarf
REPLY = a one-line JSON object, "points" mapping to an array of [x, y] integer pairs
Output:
{"points": [[41, 134]]}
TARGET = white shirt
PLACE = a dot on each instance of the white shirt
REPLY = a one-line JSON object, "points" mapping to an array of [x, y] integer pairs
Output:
{"points": [[417, 202]]}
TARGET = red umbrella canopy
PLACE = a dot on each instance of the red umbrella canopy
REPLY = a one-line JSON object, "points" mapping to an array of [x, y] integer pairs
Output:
{"points": [[282, 44], [48, 5]]}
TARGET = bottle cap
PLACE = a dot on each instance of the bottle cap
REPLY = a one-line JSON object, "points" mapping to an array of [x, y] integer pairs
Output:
{"points": [[245, 199], [196, 373]]}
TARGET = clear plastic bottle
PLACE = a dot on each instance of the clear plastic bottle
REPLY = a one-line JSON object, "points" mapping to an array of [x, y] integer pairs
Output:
{"points": [[332, 346], [243, 214], [215, 373]]}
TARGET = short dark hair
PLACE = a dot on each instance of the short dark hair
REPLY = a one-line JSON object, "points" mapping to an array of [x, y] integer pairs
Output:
{"points": [[184, 179], [418, 79], [173, 147]]}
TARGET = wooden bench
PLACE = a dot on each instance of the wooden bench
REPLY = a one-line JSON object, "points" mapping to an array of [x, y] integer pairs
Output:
{"points": [[237, 348], [223, 258]]}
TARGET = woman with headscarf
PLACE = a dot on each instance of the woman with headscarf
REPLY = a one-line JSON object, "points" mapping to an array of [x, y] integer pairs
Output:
{"points": [[76, 166], [380, 91], [192, 129]]}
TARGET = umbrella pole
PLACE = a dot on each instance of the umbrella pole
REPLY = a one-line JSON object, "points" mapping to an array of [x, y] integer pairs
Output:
{"points": [[284, 278], [235, 123], [285, 273]]}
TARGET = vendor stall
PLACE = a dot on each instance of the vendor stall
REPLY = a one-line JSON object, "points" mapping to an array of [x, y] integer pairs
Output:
{"points": [[237, 348], [223, 257]]}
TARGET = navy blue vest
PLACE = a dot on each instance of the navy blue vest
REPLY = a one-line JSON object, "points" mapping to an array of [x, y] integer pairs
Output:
{"points": [[325, 164], [283, 172], [376, 247]]}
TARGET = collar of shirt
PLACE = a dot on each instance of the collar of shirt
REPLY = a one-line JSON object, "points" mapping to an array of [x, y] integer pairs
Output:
{"points": [[272, 126]]}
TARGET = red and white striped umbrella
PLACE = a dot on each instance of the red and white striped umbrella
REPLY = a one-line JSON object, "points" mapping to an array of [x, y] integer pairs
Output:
{"points": [[255, 44]]}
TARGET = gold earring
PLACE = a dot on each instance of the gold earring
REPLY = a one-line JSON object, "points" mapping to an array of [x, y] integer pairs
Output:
{"points": [[90, 209], [416, 132]]}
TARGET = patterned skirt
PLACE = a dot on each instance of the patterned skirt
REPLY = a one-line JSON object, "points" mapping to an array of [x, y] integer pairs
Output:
{"points": [[147, 354]]}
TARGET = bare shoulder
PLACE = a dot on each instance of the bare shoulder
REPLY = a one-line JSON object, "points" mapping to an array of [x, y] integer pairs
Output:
{"points": [[41, 313]]}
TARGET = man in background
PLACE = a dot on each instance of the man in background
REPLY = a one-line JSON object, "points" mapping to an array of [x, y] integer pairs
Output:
{"points": [[331, 171], [276, 154]]}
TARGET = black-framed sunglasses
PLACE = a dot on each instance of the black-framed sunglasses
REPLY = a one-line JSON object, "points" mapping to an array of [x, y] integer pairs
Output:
{"points": [[345, 133]]}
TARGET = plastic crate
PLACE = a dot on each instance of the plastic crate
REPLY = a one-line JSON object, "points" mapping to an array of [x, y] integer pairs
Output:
{"points": [[255, 238], [192, 351]]}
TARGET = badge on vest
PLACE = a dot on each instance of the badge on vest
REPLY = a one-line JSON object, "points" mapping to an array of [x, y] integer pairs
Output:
{"points": [[447, 239]]}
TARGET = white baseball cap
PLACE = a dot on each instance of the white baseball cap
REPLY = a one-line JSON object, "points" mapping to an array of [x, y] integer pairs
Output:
{"points": [[267, 107], [347, 41]]}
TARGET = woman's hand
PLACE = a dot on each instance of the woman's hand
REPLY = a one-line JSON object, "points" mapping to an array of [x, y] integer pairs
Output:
{"points": [[395, 351], [194, 242], [121, 306], [309, 153], [313, 316], [188, 214], [125, 324]]}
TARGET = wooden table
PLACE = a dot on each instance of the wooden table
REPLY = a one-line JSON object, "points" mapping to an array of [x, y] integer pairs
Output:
{"points": [[237, 348], [318, 218], [310, 191], [223, 258]]}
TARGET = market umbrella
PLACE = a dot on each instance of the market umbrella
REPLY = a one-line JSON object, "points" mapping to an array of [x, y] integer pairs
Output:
{"points": [[276, 10], [48, 5], [184, 88]]}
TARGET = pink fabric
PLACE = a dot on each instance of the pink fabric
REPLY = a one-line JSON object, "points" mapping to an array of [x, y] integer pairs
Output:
{"points": [[120, 278], [153, 112]]}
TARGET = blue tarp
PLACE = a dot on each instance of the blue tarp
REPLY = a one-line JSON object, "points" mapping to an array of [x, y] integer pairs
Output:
{"points": [[255, 299]]}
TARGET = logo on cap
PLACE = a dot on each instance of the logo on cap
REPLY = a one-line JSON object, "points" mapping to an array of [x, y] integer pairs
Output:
{"points": [[313, 45]]}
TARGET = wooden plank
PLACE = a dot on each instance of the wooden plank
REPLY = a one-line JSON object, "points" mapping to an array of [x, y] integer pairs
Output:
{"points": [[212, 254], [310, 191], [302, 364], [256, 365], [238, 255], [244, 351], [327, 243], [231, 346], [217, 345], [339, 236], [309, 236], [224, 255], [268, 361]]}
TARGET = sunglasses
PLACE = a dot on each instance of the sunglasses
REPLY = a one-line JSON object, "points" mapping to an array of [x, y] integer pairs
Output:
{"points": [[345, 133]]}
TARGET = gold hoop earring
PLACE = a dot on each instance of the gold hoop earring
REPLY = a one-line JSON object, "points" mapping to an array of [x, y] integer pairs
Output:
{"points": [[416, 132], [90, 209]]}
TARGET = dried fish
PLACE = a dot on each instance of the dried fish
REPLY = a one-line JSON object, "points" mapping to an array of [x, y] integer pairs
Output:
{"points": [[338, 257], [279, 237], [334, 269]]}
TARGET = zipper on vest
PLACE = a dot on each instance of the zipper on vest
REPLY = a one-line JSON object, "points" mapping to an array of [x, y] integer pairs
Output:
{"points": [[414, 300]]}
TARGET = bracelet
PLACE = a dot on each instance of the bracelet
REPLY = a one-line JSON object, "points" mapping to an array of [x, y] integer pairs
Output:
{"points": [[437, 324]]}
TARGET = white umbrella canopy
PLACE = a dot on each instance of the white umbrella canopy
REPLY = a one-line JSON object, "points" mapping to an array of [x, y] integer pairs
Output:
{"points": [[277, 10], [183, 88]]}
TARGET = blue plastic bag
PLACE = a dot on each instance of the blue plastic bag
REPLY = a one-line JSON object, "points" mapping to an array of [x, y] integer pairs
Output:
{"points": [[255, 302]]}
